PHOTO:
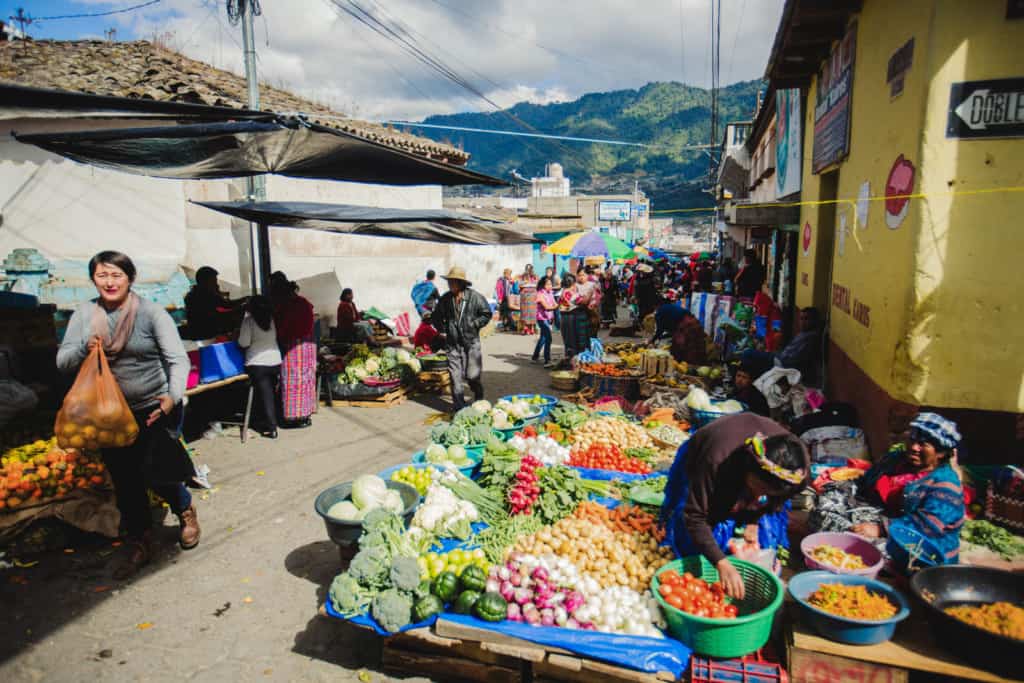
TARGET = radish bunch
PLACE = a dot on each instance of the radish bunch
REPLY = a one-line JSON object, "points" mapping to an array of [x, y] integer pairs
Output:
{"points": [[526, 490]]}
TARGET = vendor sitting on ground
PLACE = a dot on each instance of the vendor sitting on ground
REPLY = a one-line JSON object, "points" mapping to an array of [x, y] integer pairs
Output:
{"points": [[667, 316], [745, 391], [689, 343], [425, 334], [802, 353], [917, 485], [737, 473], [351, 326]]}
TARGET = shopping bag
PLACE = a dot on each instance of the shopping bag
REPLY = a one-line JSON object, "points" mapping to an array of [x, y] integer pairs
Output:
{"points": [[94, 413], [402, 325]]}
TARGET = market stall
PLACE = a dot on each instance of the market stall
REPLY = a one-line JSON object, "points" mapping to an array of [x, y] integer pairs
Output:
{"points": [[525, 540]]}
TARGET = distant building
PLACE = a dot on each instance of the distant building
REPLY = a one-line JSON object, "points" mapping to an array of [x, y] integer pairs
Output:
{"points": [[552, 184]]}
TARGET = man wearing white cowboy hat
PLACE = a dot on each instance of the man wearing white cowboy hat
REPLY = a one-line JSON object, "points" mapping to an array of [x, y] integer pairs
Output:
{"points": [[459, 316]]}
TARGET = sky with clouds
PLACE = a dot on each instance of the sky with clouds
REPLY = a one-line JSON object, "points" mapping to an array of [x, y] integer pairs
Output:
{"points": [[509, 50]]}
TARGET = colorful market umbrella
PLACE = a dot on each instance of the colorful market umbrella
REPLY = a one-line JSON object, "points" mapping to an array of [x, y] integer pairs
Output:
{"points": [[589, 243], [652, 253]]}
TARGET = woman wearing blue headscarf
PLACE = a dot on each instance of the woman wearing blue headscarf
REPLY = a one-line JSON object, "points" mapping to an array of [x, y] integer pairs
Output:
{"points": [[918, 486]]}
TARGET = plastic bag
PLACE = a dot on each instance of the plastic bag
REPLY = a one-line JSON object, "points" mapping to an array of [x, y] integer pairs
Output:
{"points": [[94, 413], [15, 398]]}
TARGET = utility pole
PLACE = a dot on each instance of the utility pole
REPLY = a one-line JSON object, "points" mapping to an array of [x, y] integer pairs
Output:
{"points": [[255, 186]]}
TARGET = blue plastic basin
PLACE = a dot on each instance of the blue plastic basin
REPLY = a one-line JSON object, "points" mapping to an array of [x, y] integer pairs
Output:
{"points": [[419, 458], [841, 629]]}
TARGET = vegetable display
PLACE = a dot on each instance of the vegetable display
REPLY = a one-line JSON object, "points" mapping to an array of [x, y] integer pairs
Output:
{"points": [[443, 514], [1002, 618], [669, 434], [41, 470], [611, 430], [698, 399], [390, 364], [454, 455], [544, 448], [417, 477], [369, 492], [852, 602], [568, 416], [432, 564], [834, 557], [995, 538], [695, 596], [525, 492], [624, 518], [607, 370], [605, 456]]}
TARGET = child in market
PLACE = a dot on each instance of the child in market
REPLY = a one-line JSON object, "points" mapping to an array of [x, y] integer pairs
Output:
{"points": [[425, 334]]}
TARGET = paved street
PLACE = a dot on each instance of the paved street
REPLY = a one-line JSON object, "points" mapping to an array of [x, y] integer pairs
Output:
{"points": [[242, 606]]}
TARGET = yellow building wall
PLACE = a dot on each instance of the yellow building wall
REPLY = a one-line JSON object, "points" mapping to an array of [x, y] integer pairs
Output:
{"points": [[966, 330]]}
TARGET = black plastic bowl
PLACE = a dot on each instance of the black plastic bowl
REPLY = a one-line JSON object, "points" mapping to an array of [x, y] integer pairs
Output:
{"points": [[951, 585], [346, 533]]}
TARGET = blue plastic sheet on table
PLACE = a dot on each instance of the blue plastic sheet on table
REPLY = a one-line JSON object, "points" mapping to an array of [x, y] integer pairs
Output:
{"points": [[635, 652], [608, 475], [445, 545], [369, 622]]}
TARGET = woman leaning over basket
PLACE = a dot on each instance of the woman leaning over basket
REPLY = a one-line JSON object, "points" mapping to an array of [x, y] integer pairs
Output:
{"points": [[149, 363]]}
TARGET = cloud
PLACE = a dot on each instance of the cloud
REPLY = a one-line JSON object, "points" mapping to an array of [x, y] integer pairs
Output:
{"points": [[510, 50]]}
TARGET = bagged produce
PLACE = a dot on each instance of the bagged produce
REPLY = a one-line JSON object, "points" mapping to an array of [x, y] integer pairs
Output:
{"points": [[94, 413]]}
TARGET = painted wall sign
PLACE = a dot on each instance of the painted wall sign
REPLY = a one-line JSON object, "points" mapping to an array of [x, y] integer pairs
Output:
{"points": [[899, 64], [788, 136], [986, 109], [863, 204], [833, 104], [841, 229], [900, 182], [805, 280], [843, 300], [806, 238]]}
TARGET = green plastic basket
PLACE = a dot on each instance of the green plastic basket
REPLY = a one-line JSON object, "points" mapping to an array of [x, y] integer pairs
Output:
{"points": [[730, 638]]}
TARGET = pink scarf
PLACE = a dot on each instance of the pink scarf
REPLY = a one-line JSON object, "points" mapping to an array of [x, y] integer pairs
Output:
{"points": [[113, 345]]}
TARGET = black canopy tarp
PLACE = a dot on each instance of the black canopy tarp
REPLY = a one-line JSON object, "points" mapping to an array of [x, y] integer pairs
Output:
{"points": [[285, 146], [419, 224]]}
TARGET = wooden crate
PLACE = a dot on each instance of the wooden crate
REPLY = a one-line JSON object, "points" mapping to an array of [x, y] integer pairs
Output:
{"points": [[392, 398], [435, 381]]}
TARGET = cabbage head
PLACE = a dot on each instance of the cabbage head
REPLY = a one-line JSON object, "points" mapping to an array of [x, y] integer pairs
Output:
{"points": [[368, 491]]}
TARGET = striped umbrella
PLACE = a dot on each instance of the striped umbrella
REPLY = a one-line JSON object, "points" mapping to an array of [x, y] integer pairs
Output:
{"points": [[589, 243]]}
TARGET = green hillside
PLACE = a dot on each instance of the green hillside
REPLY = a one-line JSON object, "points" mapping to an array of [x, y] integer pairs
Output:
{"points": [[665, 116]]}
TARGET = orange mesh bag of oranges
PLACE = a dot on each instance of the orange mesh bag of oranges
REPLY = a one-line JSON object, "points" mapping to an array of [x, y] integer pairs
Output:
{"points": [[94, 413]]}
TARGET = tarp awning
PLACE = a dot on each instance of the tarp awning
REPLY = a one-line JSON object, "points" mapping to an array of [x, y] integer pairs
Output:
{"points": [[429, 224], [285, 146]]}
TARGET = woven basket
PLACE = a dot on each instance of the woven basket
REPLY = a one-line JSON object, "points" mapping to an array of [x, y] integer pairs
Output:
{"points": [[626, 387], [380, 331], [565, 383], [1008, 512]]}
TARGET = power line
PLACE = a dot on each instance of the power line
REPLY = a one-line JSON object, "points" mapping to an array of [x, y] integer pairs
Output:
{"points": [[547, 136], [96, 14], [736, 39]]}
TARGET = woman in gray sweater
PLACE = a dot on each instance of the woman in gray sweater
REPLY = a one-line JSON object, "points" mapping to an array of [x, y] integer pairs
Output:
{"points": [[150, 365]]}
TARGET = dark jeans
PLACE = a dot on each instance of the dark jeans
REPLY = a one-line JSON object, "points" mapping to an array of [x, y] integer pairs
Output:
{"points": [[128, 472], [264, 381], [544, 342]]}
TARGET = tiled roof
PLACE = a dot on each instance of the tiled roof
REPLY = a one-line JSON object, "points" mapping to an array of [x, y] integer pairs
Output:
{"points": [[140, 69]]}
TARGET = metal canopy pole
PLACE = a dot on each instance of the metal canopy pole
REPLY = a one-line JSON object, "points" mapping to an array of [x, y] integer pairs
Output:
{"points": [[259, 234]]}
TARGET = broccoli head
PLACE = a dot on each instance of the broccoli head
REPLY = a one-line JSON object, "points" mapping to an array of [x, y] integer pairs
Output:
{"points": [[392, 610], [370, 567], [405, 573], [347, 597]]}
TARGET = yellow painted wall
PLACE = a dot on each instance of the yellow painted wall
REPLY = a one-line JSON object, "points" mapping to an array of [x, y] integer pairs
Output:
{"points": [[967, 329]]}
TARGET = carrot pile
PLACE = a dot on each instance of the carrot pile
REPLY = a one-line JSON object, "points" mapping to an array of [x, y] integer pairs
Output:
{"points": [[606, 369], [852, 602], [1003, 618], [625, 518]]}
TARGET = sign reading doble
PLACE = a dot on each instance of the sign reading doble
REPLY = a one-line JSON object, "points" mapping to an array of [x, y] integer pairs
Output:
{"points": [[986, 109]]}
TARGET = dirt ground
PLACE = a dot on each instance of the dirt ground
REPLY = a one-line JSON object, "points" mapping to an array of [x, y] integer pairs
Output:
{"points": [[243, 605]]}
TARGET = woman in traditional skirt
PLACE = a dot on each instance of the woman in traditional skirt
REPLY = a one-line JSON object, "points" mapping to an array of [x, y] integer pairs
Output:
{"points": [[575, 322], [528, 301], [293, 318]]}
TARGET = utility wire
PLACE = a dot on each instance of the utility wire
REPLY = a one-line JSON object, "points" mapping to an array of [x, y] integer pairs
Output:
{"points": [[97, 14]]}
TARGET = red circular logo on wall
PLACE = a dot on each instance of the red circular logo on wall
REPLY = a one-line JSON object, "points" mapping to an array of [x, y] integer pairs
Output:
{"points": [[807, 238], [899, 184]]}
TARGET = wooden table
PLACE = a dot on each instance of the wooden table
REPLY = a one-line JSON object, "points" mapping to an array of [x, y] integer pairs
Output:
{"points": [[813, 659], [220, 384]]}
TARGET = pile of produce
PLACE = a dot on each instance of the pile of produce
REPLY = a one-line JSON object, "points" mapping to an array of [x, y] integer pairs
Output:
{"points": [[698, 399], [611, 558], [390, 364], [611, 430], [568, 416], [607, 370], [542, 447], [384, 578], [695, 596], [465, 594], [454, 455], [625, 518], [469, 426], [1001, 618], [605, 456], [434, 564], [669, 434], [834, 557], [852, 602], [444, 515], [995, 538], [419, 478], [649, 492], [369, 492], [42, 470]]}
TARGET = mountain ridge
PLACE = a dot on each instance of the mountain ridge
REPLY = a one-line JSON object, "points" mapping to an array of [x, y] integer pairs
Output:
{"points": [[665, 116]]}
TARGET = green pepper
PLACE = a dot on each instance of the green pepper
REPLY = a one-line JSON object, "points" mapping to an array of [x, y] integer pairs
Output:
{"points": [[491, 607], [426, 607], [446, 585], [465, 602], [473, 578]]}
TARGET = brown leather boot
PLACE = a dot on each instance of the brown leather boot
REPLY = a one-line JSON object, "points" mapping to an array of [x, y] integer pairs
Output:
{"points": [[190, 531], [140, 553]]}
